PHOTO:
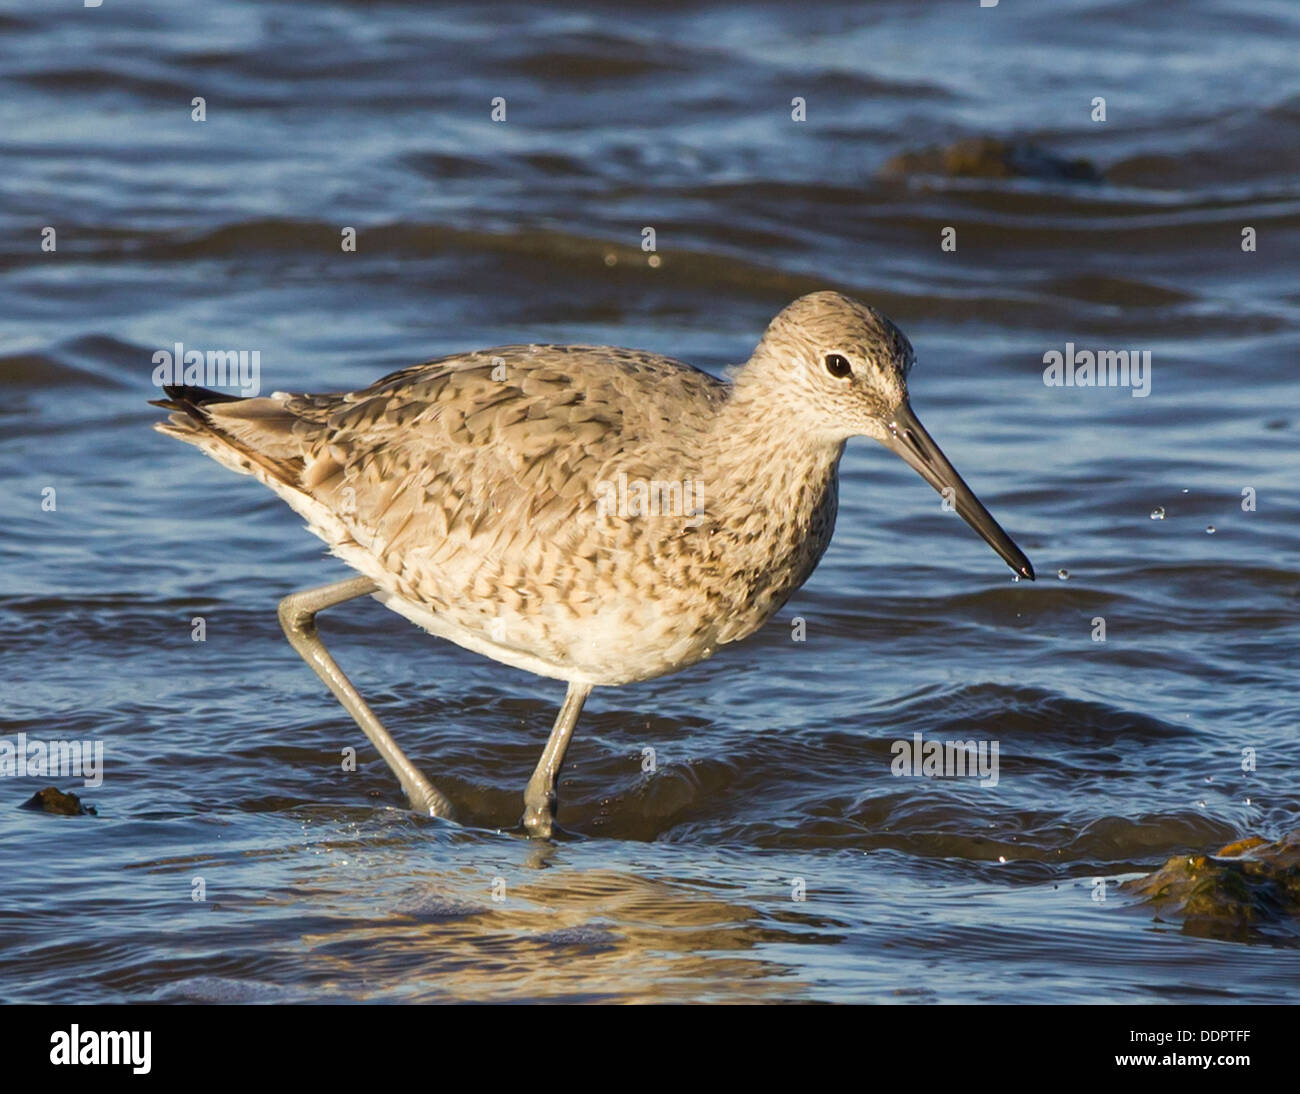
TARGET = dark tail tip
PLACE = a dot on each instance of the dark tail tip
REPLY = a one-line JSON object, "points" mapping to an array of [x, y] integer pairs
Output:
{"points": [[197, 395], [189, 399]]}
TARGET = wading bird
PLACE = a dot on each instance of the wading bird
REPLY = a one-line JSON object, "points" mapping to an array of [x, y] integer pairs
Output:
{"points": [[472, 495]]}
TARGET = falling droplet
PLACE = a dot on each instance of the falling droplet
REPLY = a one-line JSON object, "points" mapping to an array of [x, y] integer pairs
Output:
{"points": [[1015, 577], [1184, 490], [1064, 575], [1209, 529], [1158, 513], [1002, 858]]}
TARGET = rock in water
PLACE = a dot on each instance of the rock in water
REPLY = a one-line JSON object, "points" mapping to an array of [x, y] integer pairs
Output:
{"points": [[990, 158], [1248, 885], [54, 800]]}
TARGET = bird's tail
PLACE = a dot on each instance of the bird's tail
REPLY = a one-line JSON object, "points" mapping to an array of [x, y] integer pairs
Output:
{"points": [[249, 436]]}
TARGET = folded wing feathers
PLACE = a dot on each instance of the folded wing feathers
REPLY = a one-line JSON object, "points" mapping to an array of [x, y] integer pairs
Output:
{"points": [[442, 453]]}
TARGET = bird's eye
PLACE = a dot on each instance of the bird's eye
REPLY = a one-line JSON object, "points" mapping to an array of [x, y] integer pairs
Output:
{"points": [[838, 365]]}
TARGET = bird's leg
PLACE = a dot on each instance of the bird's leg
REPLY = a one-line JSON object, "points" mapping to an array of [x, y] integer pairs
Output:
{"points": [[539, 797], [298, 618]]}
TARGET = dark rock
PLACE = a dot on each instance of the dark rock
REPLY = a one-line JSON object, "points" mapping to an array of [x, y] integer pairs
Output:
{"points": [[1248, 885], [990, 158], [54, 800]]}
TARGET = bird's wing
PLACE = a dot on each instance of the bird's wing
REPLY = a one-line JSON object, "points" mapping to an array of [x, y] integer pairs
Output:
{"points": [[485, 453]]}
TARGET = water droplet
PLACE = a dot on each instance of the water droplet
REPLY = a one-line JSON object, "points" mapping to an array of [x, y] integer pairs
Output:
{"points": [[1248, 802], [1002, 858], [1015, 577], [1064, 575], [1209, 529], [1184, 490], [1158, 513]]}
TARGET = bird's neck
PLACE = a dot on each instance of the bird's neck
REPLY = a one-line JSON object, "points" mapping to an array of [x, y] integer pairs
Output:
{"points": [[773, 490], [760, 440]]}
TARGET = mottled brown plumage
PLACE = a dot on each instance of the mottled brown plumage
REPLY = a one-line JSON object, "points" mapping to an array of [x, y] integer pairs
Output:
{"points": [[469, 487], [590, 513]]}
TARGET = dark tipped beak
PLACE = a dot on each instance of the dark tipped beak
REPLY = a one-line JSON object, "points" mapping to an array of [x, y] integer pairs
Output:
{"points": [[909, 439]]}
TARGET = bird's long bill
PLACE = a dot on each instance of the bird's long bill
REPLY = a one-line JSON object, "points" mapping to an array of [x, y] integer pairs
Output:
{"points": [[909, 439]]}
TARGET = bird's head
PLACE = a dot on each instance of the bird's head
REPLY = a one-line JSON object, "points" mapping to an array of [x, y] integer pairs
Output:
{"points": [[843, 367]]}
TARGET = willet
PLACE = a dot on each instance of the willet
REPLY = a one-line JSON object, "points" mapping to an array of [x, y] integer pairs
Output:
{"points": [[588, 513]]}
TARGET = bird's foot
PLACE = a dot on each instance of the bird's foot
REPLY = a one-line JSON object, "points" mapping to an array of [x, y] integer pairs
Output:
{"points": [[539, 815]]}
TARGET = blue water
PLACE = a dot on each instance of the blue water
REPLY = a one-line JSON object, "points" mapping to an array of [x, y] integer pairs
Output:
{"points": [[223, 777]]}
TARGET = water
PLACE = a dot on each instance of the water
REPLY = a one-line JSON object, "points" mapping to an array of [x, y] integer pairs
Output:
{"points": [[772, 761]]}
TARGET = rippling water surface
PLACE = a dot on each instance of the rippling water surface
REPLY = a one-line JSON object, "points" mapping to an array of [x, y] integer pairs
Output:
{"points": [[773, 759]]}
